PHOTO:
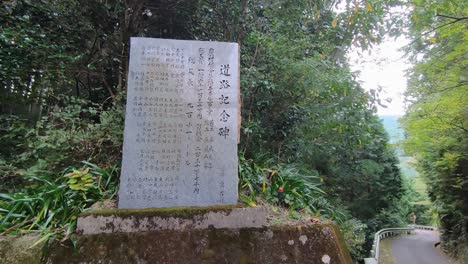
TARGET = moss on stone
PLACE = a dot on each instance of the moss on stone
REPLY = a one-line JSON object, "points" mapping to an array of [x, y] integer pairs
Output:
{"points": [[17, 249], [275, 244], [175, 212], [244, 245]]}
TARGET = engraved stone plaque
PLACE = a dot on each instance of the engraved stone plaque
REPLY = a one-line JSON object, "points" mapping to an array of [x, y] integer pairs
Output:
{"points": [[181, 124]]}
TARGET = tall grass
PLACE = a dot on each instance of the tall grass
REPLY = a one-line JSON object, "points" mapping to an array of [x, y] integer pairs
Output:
{"points": [[301, 188], [51, 203]]}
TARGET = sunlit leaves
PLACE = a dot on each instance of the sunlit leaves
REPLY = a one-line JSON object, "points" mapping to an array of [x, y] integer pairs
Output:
{"points": [[80, 180]]}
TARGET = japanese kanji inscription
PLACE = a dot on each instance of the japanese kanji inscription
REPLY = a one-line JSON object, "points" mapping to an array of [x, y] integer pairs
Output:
{"points": [[181, 125]]}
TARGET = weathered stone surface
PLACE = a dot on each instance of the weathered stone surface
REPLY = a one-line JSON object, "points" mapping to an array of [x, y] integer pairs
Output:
{"points": [[112, 221], [17, 249], [181, 125], [283, 244]]}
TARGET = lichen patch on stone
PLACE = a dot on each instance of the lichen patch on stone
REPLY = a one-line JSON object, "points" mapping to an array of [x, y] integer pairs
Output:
{"points": [[283, 258], [326, 259], [303, 239]]}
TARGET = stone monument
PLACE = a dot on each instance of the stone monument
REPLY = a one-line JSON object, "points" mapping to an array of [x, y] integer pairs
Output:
{"points": [[180, 149], [181, 124]]}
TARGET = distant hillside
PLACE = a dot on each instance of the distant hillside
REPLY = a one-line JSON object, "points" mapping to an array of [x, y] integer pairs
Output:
{"points": [[393, 128], [397, 134]]}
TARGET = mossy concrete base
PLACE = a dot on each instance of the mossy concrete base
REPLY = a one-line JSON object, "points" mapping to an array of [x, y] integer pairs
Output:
{"points": [[178, 218], [185, 235], [280, 244]]}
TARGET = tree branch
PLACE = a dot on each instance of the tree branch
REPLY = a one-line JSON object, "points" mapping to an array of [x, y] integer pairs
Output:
{"points": [[438, 27], [451, 17], [447, 88]]}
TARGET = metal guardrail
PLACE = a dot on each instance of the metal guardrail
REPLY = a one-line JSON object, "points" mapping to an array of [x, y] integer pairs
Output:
{"points": [[382, 234], [389, 232], [422, 227]]}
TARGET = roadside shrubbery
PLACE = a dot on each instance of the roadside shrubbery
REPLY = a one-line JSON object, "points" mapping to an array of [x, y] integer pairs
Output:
{"points": [[73, 130], [301, 188], [50, 203], [303, 192], [44, 184]]}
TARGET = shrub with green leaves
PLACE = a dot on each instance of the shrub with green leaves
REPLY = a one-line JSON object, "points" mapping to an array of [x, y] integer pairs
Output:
{"points": [[51, 203], [74, 130], [354, 234], [13, 131], [301, 188]]}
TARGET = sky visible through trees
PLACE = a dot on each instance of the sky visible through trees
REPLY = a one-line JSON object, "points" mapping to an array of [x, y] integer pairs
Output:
{"points": [[384, 65]]}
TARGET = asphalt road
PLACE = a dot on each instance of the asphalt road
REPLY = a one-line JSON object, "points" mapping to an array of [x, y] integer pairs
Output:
{"points": [[418, 249]]}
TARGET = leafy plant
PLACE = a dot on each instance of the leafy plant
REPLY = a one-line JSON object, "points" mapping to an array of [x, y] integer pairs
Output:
{"points": [[80, 180], [51, 204], [299, 190], [79, 130], [354, 234]]}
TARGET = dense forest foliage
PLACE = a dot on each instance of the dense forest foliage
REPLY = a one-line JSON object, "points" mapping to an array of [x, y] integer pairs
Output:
{"points": [[307, 125], [436, 122]]}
